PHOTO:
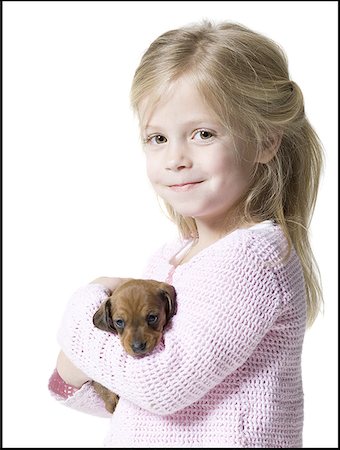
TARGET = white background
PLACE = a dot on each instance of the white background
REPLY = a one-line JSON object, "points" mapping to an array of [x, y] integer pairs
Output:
{"points": [[77, 203]]}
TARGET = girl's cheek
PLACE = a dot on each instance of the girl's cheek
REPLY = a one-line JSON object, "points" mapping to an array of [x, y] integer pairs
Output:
{"points": [[151, 169]]}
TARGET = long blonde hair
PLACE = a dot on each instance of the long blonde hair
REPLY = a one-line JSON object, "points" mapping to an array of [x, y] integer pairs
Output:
{"points": [[244, 77]]}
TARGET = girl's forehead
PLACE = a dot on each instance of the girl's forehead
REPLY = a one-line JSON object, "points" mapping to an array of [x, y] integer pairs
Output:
{"points": [[159, 95], [167, 93]]}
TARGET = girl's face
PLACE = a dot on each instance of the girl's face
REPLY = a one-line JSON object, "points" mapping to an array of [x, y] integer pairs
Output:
{"points": [[191, 160]]}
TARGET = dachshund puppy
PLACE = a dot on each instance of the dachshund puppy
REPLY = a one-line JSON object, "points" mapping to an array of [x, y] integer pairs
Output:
{"points": [[138, 311]]}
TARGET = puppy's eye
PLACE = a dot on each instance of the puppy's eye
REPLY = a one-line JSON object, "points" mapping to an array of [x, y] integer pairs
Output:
{"points": [[152, 319], [119, 323]]}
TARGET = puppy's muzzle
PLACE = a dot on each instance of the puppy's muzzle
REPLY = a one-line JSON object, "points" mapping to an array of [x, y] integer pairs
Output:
{"points": [[138, 347]]}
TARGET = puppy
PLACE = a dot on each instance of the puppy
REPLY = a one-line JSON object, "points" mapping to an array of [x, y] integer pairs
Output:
{"points": [[138, 311]]}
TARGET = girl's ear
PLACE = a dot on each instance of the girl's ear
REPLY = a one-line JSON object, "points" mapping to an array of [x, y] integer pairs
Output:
{"points": [[270, 148]]}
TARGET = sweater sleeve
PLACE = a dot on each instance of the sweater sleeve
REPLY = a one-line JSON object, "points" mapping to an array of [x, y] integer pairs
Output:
{"points": [[83, 399], [222, 316]]}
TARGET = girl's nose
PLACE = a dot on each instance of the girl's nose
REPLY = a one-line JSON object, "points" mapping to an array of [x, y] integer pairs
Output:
{"points": [[178, 157]]}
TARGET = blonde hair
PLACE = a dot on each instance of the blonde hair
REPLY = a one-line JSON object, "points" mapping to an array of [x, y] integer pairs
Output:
{"points": [[243, 76]]}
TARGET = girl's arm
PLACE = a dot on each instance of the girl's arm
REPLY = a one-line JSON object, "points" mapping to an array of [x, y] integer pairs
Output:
{"points": [[69, 372], [222, 316], [70, 385], [66, 369]]}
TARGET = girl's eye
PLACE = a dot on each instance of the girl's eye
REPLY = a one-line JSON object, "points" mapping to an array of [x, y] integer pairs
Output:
{"points": [[119, 323], [156, 139], [203, 135], [152, 319]]}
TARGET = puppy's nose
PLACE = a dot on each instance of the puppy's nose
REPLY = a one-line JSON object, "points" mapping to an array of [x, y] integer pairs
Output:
{"points": [[138, 346]]}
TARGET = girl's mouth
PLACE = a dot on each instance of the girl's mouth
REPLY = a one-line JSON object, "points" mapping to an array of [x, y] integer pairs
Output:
{"points": [[185, 186]]}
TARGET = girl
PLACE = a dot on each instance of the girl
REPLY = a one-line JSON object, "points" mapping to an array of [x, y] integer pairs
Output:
{"points": [[231, 153]]}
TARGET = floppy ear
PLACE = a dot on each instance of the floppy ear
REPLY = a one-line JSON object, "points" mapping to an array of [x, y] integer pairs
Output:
{"points": [[102, 319], [168, 294]]}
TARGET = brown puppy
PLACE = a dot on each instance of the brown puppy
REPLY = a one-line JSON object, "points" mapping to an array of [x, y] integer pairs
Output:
{"points": [[138, 311]]}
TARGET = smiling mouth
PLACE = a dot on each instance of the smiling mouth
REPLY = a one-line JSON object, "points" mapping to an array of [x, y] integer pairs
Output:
{"points": [[185, 186]]}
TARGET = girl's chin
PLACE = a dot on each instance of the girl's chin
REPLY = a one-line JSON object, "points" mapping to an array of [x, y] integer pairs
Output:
{"points": [[187, 212]]}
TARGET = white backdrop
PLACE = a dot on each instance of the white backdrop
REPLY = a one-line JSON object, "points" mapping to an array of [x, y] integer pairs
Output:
{"points": [[77, 203]]}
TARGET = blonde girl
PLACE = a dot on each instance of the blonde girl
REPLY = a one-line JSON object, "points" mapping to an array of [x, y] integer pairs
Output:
{"points": [[230, 151]]}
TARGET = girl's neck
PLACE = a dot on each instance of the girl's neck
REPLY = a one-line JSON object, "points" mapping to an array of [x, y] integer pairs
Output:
{"points": [[212, 231], [208, 235]]}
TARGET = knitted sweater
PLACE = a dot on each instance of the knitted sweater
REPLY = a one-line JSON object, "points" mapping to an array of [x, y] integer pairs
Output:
{"points": [[228, 371]]}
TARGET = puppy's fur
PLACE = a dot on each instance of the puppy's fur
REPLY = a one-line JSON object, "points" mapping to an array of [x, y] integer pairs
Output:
{"points": [[138, 311]]}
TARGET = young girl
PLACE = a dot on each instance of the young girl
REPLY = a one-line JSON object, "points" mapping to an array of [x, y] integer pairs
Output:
{"points": [[230, 151]]}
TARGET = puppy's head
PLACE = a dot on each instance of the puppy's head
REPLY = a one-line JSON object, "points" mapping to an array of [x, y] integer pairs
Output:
{"points": [[138, 310]]}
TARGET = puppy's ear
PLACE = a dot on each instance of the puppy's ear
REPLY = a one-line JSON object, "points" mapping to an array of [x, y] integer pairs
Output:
{"points": [[168, 294], [102, 319]]}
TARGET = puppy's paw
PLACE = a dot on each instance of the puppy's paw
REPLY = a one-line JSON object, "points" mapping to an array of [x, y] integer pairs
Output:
{"points": [[109, 397], [111, 402]]}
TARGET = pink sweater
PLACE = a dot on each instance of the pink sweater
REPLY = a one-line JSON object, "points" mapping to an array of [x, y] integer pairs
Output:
{"points": [[228, 373]]}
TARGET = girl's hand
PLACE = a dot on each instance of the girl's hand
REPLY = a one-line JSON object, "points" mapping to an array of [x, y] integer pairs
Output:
{"points": [[110, 283]]}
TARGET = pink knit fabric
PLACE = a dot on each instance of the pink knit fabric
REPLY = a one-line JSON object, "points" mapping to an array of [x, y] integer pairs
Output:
{"points": [[59, 387], [228, 373]]}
